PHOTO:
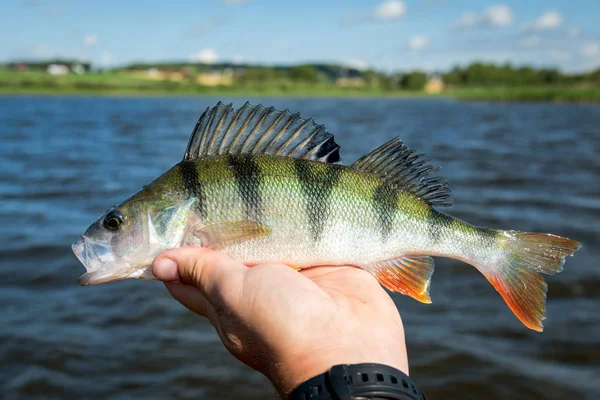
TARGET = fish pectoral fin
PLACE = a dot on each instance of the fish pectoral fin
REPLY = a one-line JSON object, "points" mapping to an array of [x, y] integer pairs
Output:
{"points": [[220, 235], [407, 275]]}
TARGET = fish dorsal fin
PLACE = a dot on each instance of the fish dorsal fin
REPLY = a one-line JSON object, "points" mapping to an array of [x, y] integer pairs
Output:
{"points": [[260, 130], [398, 165]]}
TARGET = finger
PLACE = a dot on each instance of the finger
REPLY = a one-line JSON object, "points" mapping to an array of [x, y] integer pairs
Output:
{"points": [[218, 278], [190, 297], [165, 269]]}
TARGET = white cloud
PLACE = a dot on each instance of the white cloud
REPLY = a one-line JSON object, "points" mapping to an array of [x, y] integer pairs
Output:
{"points": [[574, 31], [496, 16], [90, 40], [559, 55], [547, 21], [530, 41], [206, 56], [591, 49], [357, 63], [499, 15], [389, 10], [418, 42]]}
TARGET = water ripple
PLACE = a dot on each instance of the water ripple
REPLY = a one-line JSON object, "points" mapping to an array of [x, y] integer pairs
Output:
{"points": [[67, 159]]}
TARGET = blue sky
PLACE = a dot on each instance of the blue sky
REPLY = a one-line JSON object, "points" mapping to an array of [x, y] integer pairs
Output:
{"points": [[388, 35]]}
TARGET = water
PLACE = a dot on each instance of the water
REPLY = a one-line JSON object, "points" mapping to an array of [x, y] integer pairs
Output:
{"points": [[64, 160]]}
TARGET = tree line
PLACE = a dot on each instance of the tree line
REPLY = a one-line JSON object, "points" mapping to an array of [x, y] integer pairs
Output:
{"points": [[477, 74], [482, 74]]}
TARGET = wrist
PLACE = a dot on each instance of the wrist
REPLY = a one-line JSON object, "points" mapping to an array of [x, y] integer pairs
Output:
{"points": [[299, 368], [359, 381]]}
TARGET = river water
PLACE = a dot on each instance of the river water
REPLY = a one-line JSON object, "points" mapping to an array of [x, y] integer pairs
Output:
{"points": [[64, 160]]}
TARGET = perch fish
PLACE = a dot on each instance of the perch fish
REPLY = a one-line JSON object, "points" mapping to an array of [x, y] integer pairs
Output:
{"points": [[262, 185]]}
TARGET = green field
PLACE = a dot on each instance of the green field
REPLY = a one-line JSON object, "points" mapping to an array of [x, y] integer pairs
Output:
{"points": [[121, 83], [117, 83]]}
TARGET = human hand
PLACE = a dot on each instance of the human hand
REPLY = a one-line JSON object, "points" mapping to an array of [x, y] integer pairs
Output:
{"points": [[288, 325]]}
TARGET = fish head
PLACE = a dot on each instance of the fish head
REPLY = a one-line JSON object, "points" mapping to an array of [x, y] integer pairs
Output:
{"points": [[123, 242]]}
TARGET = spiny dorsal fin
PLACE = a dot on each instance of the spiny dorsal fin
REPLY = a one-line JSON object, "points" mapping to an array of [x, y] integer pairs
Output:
{"points": [[397, 164], [260, 130]]}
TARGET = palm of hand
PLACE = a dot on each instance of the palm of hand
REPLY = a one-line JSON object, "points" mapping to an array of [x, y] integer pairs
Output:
{"points": [[313, 319], [292, 325]]}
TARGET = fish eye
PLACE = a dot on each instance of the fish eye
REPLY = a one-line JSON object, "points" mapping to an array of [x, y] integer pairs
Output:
{"points": [[113, 220]]}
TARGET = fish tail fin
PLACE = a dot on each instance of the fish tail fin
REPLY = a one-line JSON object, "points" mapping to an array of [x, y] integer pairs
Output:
{"points": [[518, 274]]}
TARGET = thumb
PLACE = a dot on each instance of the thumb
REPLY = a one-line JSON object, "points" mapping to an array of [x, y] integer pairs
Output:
{"points": [[219, 278]]}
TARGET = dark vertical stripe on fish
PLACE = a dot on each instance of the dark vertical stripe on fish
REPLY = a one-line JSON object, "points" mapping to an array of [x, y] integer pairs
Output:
{"points": [[317, 184], [247, 178], [193, 187], [437, 222], [384, 202]]}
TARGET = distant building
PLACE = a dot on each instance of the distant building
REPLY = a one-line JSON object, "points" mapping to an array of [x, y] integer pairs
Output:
{"points": [[57, 69], [435, 84], [19, 67], [154, 73], [159, 75], [78, 69], [215, 78]]}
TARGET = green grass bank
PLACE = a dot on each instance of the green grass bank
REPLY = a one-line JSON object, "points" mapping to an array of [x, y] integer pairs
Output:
{"points": [[119, 83]]}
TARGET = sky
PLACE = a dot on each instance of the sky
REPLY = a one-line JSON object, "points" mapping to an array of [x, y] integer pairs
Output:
{"points": [[387, 35]]}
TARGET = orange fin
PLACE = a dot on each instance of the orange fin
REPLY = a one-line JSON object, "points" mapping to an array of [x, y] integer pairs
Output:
{"points": [[407, 275], [518, 279]]}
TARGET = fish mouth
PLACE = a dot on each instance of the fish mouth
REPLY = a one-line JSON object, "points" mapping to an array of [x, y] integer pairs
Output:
{"points": [[98, 277], [101, 265]]}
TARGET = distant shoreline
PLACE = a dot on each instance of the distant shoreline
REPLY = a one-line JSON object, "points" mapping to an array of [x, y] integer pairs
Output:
{"points": [[316, 94], [476, 82], [227, 92], [500, 95], [43, 85]]}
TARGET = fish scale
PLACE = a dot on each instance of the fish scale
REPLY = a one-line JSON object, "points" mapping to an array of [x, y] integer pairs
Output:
{"points": [[261, 185]]}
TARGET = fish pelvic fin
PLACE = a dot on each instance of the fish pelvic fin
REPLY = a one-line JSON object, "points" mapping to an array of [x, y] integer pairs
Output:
{"points": [[519, 279], [407, 275], [397, 165], [260, 130]]}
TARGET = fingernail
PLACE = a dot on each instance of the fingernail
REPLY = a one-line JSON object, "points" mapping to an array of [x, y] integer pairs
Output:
{"points": [[165, 269]]}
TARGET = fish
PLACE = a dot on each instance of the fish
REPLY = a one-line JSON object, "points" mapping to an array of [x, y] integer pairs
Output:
{"points": [[262, 185]]}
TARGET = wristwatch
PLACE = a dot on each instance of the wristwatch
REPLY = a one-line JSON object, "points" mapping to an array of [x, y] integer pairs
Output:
{"points": [[359, 382]]}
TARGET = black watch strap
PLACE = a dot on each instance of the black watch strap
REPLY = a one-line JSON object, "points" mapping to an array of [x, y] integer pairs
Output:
{"points": [[359, 381]]}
